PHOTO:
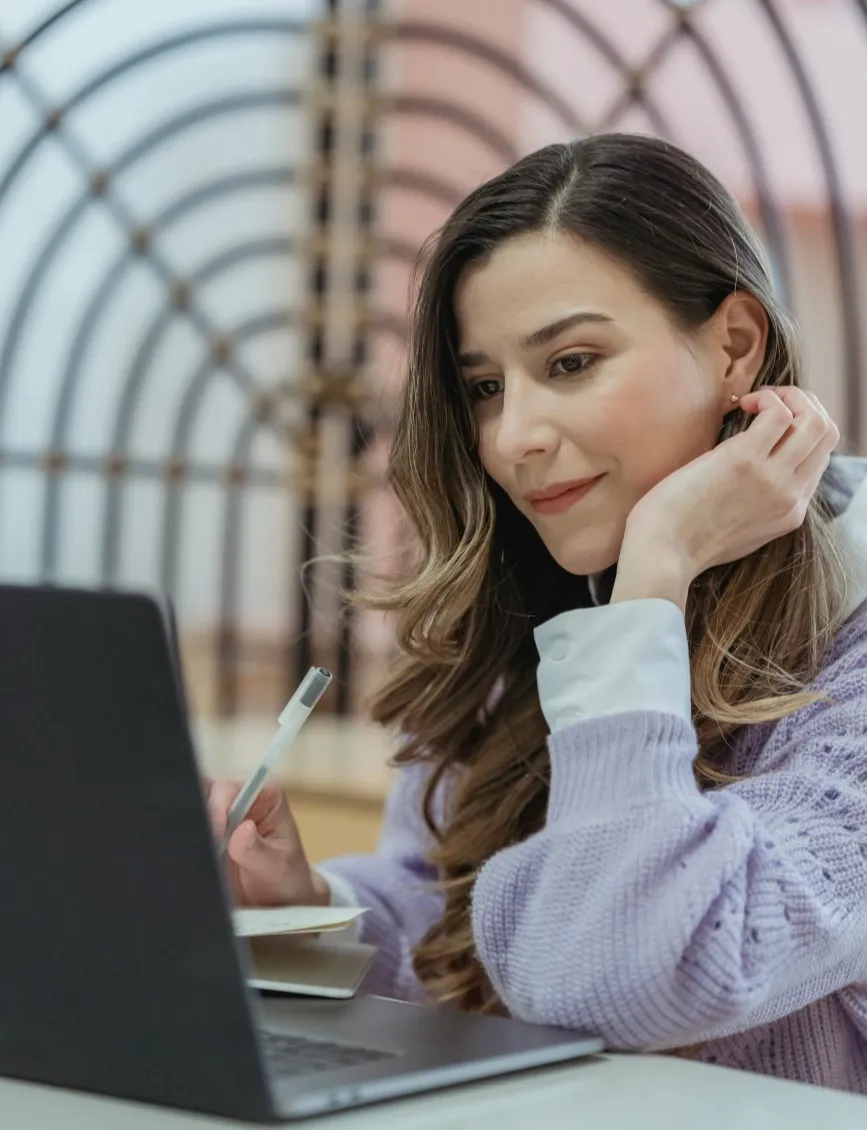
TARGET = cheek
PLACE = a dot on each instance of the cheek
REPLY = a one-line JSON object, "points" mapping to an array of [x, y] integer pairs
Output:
{"points": [[487, 452], [670, 421]]}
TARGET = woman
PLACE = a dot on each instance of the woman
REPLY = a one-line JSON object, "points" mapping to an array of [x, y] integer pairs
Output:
{"points": [[632, 795]]}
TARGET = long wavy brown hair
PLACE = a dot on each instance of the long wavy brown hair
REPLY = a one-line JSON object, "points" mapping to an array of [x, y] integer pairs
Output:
{"points": [[463, 692]]}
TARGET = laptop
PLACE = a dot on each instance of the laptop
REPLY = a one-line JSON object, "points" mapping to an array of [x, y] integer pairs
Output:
{"points": [[120, 972]]}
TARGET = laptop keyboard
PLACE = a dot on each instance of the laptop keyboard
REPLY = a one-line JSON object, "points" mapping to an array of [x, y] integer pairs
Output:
{"points": [[298, 1055]]}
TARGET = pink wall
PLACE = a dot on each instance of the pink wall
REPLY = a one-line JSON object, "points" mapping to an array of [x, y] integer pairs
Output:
{"points": [[830, 35], [833, 36]]}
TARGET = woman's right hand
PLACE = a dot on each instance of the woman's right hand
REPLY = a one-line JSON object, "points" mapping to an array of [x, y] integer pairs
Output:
{"points": [[266, 863]]}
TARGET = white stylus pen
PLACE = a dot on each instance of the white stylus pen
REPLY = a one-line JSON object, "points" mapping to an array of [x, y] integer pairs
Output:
{"points": [[294, 715]]}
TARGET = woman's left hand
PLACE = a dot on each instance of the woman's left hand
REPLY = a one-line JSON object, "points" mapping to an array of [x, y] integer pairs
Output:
{"points": [[747, 491]]}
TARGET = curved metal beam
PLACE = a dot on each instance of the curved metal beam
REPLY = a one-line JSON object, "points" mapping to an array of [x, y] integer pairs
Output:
{"points": [[230, 575], [67, 223], [138, 372], [444, 110], [40, 30], [427, 183], [844, 239], [178, 453], [178, 449], [177, 210], [265, 322], [608, 50], [146, 55], [772, 221], [477, 48]]}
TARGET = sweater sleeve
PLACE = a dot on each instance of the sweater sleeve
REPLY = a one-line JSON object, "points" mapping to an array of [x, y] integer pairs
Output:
{"points": [[657, 915], [396, 884]]}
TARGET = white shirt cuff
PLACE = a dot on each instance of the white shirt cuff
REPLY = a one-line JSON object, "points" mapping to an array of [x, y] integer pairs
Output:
{"points": [[632, 655], [342, 894]]}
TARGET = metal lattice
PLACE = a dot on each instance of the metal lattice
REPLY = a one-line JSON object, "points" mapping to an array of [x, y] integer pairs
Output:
{"points": [[341, 106]]}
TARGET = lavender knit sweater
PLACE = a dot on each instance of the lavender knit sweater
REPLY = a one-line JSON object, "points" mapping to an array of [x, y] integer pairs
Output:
{"points": [[660, 916]]}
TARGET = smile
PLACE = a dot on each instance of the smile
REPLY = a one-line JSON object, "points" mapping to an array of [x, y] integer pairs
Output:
{"points": [[564, 501]]}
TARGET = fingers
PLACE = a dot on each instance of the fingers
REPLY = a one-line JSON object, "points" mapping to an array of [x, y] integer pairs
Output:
{"points": [[269, 812], [221, 795], [820, 407], [813, 436], [799, 433], [811, 468], [773, 419], [808, 427], [269, 799], [262, 862], [243, 843]]}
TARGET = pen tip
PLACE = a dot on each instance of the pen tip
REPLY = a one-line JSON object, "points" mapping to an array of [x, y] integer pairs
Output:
{"points": [[318, 681]]}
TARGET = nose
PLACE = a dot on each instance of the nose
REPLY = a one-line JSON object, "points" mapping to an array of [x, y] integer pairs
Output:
{"points": [[526, 425]]}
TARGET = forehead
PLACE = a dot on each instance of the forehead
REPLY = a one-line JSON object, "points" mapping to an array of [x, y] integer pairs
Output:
{"points": [[534, 279]]}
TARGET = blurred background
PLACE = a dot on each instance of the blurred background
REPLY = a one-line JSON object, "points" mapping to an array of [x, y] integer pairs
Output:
{"points": [[209, 213]]}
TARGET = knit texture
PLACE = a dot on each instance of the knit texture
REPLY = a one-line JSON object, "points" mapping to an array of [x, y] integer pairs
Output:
{"points": [[658, 916]]}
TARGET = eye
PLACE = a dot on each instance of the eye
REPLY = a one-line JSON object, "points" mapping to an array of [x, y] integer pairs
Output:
{"points": [[485, 389], [571, 363]]}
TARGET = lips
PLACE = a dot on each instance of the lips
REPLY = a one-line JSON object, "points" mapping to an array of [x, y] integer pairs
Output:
{"points": [[555, 490], [565, 499]]}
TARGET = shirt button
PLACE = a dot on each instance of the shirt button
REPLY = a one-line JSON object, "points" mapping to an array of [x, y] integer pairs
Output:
{"points": [[559, 649], [569, 718]]}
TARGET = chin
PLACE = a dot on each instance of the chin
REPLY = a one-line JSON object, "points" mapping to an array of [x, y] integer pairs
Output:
{"points": [[582, 559]]}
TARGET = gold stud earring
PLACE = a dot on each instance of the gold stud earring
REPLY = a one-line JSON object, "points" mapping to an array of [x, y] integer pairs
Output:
{"points": [[734, 398]]}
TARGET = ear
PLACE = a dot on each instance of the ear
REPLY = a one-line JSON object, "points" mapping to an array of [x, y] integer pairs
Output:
{"points": [[740, 333]]}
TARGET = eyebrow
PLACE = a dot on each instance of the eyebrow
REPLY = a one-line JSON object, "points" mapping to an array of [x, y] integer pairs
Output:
{"points": [[543, 336]]}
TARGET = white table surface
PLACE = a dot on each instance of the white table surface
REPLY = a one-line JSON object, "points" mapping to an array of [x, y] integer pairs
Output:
{"points": [[620, 1092]]}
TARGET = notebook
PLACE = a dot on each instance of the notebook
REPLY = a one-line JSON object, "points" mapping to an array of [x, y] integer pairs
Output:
{"points": [[299, 949], [254, 921]]}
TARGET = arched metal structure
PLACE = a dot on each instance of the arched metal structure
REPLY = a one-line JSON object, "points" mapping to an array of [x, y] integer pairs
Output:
{"points": [[341, 174]]}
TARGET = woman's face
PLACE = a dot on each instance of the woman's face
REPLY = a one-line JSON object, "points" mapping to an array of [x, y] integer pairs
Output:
{"points": [[577, 374]]}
